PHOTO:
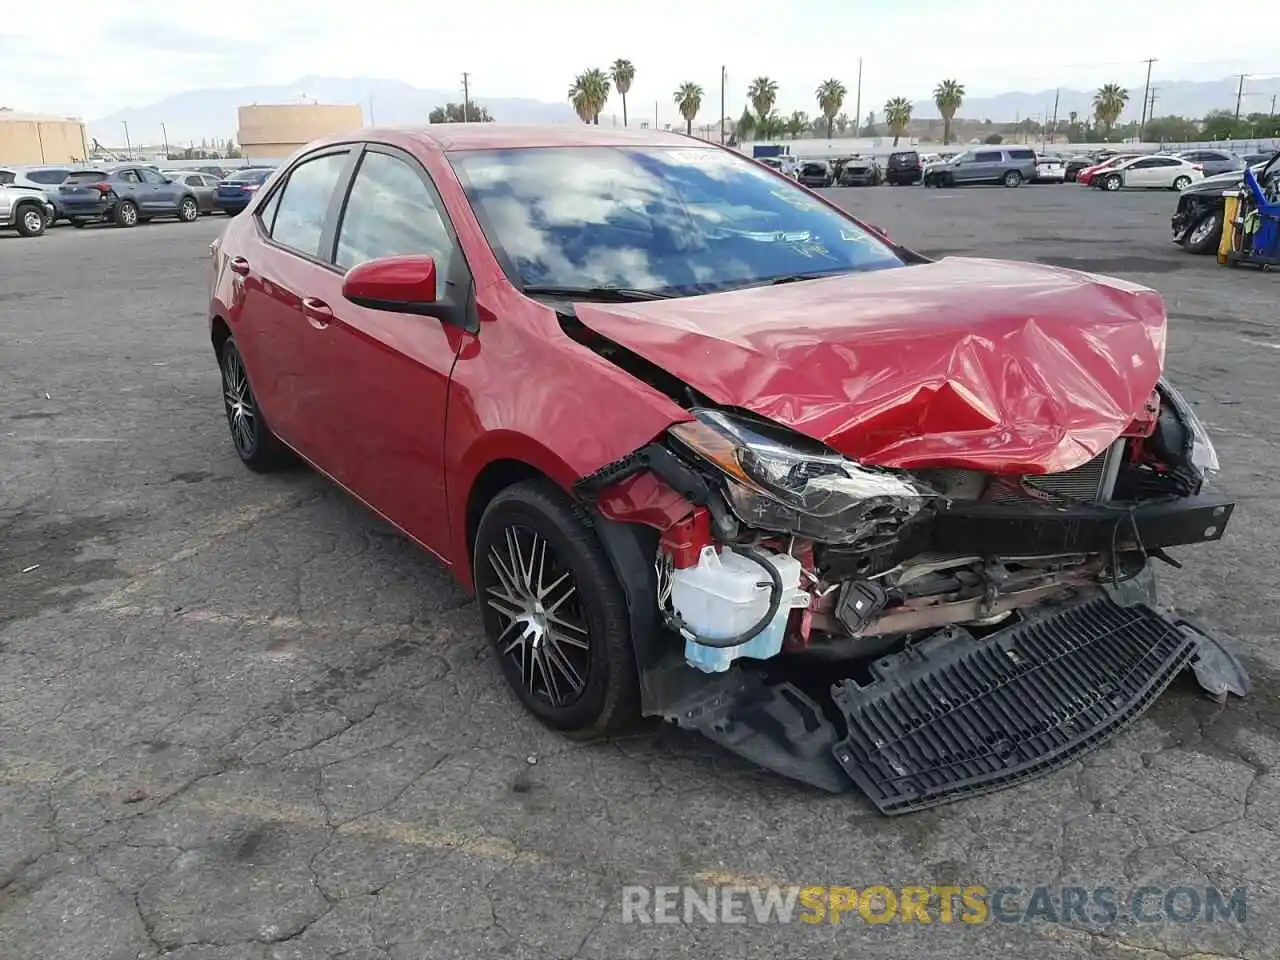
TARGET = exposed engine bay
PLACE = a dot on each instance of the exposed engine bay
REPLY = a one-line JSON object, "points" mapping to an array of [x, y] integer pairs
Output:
{"points": [[933, 632]]}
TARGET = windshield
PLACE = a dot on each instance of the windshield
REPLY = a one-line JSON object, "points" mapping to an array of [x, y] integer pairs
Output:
{"points": [[665, 220]]}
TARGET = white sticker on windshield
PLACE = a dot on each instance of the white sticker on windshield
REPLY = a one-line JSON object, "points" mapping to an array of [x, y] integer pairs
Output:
{"points": [[698, 158]]}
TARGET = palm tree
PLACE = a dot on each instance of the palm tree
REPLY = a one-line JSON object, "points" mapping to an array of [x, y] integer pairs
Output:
{"points": [[588, 93], [830, 94], [948, 95], [688, 99], [763, 94], [746, 125], [1108, 104], [897, 114], [580, 98], [842, 123], [623, 72]]}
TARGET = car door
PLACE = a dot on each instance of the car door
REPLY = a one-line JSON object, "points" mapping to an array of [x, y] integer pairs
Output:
{"points": [[127, 184], [160, 195], [281, 275], [387, 386], [1164, 170], [1141, 173], [985, 166]]}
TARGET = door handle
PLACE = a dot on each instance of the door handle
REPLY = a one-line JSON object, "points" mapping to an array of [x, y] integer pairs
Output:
{"points": [[240, 265], [317, 312]]}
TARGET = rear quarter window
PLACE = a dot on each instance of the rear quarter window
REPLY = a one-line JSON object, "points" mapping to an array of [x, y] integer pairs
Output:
{"points": [[47, 176], [6, 176]]}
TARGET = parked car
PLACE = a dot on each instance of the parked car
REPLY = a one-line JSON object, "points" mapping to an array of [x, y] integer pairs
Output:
{"points": [[24, 209], [203, 186], [1253, 159], [43, 178], [633, 436], [1050, 168], [816, 173], [861, 172], [1197, 222], [126, 195], [1213, 162], [234, 193], [1071, 169], [1010, 166], [1085, 176], [1148, 173], [903, 168]]}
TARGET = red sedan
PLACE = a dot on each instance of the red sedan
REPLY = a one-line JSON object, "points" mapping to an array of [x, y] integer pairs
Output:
{"points": [[708, 448], [1085, 176]]}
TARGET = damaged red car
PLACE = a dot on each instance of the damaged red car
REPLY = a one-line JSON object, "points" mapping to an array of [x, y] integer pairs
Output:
{"points": [[708, 448]]}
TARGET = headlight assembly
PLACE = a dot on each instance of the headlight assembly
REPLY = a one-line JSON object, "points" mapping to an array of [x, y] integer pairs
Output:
{"points": [[1199, 451], [785, 483]]}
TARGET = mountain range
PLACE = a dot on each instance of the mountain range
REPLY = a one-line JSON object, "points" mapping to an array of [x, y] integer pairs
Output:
{"points": [[211, 113]]}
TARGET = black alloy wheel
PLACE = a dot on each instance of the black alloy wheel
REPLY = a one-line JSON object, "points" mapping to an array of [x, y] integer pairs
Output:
{"points": [[257, 447], [553, 611]]}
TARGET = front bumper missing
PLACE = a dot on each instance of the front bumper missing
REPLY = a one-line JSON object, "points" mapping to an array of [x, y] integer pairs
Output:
{"points": [[956, 715]]}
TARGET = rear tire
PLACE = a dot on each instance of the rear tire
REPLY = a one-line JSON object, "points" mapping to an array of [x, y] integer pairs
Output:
{"points": [[258, 448], [125, 214], [554, 612], [1181, 183], [1112, 183]]}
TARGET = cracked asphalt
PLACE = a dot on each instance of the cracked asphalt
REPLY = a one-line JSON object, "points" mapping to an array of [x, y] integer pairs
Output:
{"points": [[241, 719]]}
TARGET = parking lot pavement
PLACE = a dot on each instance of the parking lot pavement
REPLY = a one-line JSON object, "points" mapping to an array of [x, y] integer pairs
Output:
{"points": [[241, 718]]}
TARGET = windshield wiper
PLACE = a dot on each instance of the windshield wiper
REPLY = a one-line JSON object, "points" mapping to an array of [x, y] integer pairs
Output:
{"points": [[606, 294]]}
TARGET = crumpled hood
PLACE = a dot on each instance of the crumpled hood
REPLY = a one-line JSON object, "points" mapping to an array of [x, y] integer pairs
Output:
{"points": [[978, 364]]}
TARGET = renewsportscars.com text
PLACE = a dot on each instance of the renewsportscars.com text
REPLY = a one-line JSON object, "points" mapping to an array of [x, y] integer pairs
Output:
{"points": [[973, 904]]}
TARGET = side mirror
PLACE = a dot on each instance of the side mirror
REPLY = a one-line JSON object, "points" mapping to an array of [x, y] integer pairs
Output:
{"points": [[404, 284]]}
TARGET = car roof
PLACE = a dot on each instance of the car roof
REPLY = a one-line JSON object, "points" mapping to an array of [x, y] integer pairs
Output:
{"points": [[498, 136]]}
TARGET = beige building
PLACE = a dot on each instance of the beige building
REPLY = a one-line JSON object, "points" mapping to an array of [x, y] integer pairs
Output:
{"points": [[273, 131], [32, 138]]}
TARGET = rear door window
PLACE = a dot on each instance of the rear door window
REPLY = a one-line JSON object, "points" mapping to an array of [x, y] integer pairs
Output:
{"points": [[301, 210], [1024, 155], [988, 156], [47, 176]]}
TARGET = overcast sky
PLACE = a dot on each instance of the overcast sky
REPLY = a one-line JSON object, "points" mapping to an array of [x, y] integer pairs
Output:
{"points": [[145, 50]]}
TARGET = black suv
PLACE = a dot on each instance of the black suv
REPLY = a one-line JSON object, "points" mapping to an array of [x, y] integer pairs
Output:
{"points": [[903, 168]]}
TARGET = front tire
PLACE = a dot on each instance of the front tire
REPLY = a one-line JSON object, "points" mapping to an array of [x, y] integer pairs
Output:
{"points": [[258, 448], [554, 613], [1205, 234], [31, 221], [126, 214], [1012, 179], [1112, 183]]}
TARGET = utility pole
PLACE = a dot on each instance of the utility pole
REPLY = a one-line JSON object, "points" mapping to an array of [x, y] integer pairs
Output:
{"points": [[722, 79], [1240, 94], [1151, 105], [1146, 95], [857, 105], [466, 97], [128, 147], [1056, 95], [655, 114], [1273, 105], [165, 133]]}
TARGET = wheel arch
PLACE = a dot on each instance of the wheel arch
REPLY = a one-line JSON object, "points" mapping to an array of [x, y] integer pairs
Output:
{"points": [[219, 334], [493, 478]]}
